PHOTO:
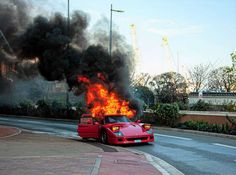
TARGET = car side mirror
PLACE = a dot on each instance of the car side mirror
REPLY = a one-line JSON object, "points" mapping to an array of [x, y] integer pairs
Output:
{"points": [[138, 121]]}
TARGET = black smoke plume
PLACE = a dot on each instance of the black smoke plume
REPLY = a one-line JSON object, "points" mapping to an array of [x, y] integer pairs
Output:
{"points": [[64, 54]]}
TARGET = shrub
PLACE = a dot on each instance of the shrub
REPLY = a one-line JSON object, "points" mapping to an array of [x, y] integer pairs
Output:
{"points": [[200, 106], [204, 106], [43, 108], [26, 108], [182, 105], [57, 109], [205, 126], [167, 113], [230, 107]]}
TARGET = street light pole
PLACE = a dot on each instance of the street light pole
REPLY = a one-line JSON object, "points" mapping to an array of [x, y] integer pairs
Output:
{"points": [[68, 45], [110, 41]]}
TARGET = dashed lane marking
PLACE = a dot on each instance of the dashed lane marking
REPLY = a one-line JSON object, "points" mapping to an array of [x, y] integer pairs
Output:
{"points": [[174, 137], [226, 146]]}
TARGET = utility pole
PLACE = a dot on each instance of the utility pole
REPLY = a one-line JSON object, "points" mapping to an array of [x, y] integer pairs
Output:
{"points": [[110, 41], [68, 45]]}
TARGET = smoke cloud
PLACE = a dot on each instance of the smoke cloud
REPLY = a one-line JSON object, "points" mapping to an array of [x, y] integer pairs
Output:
{"points": [[62, 53]]}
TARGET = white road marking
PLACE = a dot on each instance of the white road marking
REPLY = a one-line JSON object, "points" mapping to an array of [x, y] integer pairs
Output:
{"points": [[222, 145], [96, 167], [162, 166], [14, 134], [157, 166], [174, 137]]}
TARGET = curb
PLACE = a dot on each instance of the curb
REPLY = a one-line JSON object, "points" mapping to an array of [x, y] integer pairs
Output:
{"points": [[196, 132], [161, 165]]}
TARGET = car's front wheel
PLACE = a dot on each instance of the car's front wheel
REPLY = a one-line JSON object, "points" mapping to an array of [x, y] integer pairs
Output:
{"points": [[84, 139], [104, 137]]}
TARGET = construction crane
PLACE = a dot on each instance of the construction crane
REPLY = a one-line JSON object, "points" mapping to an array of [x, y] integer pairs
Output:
{"points": [[8, 45], [4, 68], [136, 50], [168, 57]]}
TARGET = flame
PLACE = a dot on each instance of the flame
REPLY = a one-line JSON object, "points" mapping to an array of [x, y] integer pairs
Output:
{"points": [[102, 102]]}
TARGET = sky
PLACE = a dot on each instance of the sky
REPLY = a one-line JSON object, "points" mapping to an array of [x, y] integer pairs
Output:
{"points": [[198, 31]]}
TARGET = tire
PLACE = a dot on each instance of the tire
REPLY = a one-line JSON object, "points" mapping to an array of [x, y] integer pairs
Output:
{"points": [[104, 137]]}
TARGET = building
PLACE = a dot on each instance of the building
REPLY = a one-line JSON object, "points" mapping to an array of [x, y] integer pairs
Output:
{"points": [[215, 98]]}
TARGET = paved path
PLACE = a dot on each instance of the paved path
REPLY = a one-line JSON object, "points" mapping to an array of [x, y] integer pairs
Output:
{"points": [[28, 153]]}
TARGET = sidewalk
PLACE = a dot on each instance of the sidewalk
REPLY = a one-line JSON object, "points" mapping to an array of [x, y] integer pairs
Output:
{"points": [[27, 153]]}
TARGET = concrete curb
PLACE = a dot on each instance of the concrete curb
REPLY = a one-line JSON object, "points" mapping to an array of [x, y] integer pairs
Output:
{"points": [[162, 166], [196, 132]]}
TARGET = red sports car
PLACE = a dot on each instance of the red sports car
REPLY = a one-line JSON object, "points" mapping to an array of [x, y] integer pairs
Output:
{"points": [[114, 129]]}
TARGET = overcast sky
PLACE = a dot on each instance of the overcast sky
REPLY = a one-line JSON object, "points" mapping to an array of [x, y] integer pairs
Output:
{"points": [[198, 31]]}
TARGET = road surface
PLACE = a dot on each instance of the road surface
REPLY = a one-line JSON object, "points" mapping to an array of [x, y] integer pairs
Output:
{"points": [[190, 153]]}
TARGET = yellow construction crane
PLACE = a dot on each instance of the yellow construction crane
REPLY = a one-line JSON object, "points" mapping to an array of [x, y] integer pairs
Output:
{"points": [[168, 57]]}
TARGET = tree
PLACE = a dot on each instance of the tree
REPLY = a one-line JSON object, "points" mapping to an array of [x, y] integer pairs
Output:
{"points": [[233, 56], [222, 79], [145, 94], [198, 77], [170, 87]]}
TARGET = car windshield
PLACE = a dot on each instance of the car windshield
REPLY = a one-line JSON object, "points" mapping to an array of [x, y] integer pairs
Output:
{"points": [[116, 119]]}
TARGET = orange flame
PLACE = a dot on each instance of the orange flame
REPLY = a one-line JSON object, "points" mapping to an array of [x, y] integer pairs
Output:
{"points": [[102, 102]]}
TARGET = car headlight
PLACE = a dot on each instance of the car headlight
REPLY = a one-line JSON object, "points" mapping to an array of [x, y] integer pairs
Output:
{"points": [[118, 133]]}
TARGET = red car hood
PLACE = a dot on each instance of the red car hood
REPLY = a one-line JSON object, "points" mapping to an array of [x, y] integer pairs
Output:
{"points": [[131, 129]]}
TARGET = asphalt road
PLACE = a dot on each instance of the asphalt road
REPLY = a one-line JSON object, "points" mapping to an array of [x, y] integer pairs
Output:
{"points": [[190, 153]]}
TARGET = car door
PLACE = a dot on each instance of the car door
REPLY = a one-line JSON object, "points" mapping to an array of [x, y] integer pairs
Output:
{"points": [[88, 128]]}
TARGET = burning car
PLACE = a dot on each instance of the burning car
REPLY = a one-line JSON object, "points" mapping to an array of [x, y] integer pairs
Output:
{"points": [[114, 129]]}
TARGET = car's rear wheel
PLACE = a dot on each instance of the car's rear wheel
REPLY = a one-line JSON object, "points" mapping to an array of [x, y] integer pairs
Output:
{"points": [[104, 137]]}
